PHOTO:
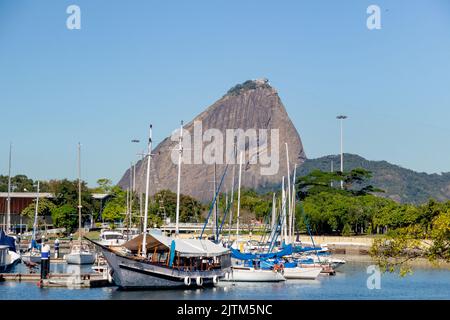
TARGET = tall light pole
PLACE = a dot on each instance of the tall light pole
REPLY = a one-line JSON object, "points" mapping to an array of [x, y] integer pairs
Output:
{"points": [[342, 118], [8, 217]]}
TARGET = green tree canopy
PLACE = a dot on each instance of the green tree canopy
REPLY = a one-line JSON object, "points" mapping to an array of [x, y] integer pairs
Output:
{"points": [[19, 183], [402, 245], [115, 208], [165, 202], [45, 208], [65, 216], [104, 186], [317, 181]]}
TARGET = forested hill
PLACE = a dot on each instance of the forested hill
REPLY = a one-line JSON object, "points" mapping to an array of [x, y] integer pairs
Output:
{"points": [[399, 184]]}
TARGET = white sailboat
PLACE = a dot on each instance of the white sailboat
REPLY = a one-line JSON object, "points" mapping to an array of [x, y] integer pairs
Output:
{"points": [[247, 274], [80, 253], [243, 273]]}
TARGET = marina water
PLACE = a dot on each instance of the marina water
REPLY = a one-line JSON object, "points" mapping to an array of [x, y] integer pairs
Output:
{"points": [[350, 282]]}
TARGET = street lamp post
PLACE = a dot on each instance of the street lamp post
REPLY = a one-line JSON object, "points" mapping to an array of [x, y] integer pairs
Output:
{"points": [[341, 118]]}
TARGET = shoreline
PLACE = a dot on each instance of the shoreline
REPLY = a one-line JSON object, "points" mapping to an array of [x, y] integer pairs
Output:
{"points": [[419, 262]]}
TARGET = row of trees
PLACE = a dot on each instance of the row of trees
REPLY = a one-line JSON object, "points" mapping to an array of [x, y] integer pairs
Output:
{"points": [[161, 205], [324, 206], [354, 210], [63, 206]]}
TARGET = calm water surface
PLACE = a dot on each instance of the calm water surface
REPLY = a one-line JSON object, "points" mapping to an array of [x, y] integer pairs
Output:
{"points": [[348, 283]]}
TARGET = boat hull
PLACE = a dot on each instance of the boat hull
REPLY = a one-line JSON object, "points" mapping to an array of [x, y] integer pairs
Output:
{"points": [[301, 273], [80, 258], [12, 258], [254, 275], [131, 274]]}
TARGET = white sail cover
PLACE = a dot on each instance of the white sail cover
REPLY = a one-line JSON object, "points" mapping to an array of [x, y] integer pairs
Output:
{"points": [[184, 247]]}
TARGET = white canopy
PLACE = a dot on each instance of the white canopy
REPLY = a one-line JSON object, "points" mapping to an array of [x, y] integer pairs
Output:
{"points": [[184, 247]]}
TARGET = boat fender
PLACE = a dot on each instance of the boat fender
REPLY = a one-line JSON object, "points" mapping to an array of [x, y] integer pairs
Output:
{"points": [[187, 281], [199, 281], [215, 280]]}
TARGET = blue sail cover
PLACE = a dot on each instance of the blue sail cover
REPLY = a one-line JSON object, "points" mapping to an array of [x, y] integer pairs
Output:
{"points": [[34, 245], [306, 249], [7, 241], [287, 250]]}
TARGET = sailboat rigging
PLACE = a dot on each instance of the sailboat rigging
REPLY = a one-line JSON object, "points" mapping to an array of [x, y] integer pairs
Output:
{"points": [[80, 252], [152, 260]]}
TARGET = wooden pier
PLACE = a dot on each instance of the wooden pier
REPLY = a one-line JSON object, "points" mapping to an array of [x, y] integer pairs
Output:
{"points": [[87, 280]]}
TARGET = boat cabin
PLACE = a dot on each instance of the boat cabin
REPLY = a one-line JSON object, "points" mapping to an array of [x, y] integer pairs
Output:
{"points": [[79, 247], [181, 254]]}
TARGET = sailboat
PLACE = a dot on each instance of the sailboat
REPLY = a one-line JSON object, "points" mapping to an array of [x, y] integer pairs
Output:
{"points": [[152, 260], [247, 268], [34, 253], [80, 253]]}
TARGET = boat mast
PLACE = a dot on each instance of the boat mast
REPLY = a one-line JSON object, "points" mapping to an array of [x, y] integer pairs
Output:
{"points": [[33, 237], [239, 196], [180, 155], [8, 216], [79, 192], [293, 203], [147, 183], [232, 196], [289, 194], [128, 210], [130, 201], [214, 227], [283, 197], [274, 212]]}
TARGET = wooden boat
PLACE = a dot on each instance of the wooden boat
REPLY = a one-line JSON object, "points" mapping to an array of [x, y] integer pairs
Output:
{"points": [[171, 263]]}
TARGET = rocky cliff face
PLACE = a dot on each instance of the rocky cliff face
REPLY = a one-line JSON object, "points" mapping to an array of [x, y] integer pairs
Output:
{"points": [[256, 109]]}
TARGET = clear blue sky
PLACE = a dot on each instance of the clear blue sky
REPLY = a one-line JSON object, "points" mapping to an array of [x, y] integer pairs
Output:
{"points": [[136, 62]]}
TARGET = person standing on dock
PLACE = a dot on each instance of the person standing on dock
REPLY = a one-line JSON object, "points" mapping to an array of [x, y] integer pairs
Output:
{"points": [[56, 248], [45, 261]]}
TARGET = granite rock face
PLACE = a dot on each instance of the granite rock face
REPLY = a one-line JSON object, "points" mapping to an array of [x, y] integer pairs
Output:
{"points": [[254, 107]]}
